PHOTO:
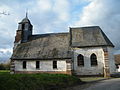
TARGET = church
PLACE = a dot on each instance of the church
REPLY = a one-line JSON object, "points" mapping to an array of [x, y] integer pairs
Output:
{"points": [[81, 51]]}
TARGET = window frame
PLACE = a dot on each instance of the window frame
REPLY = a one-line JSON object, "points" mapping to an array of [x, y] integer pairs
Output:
{"points": [[54, 64], [93, 59], [37, 64], [80, 60], [24, 64]]}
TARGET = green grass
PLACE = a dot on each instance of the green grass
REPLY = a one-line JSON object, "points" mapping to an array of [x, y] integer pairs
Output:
{"points": [[4, 71], [35, 81]]}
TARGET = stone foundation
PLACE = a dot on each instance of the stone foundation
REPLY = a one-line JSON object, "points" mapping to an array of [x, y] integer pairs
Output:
{"points": [[98, 75], [50, 72]]}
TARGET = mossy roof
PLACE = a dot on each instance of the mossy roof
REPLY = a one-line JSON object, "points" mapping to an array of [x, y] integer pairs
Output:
{"points": [[44, 46], [58, 45]]}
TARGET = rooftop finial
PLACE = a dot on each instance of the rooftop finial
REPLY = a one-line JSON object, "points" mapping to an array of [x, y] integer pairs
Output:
{"points": [[26, 14]]}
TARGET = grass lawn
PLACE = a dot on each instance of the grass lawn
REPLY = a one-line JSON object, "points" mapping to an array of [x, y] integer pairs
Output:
{"points": [[4, 71], [35, 81]]}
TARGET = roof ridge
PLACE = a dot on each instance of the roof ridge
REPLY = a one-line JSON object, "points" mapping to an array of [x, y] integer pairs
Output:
{"points": [[84, 27], [51, 33]]}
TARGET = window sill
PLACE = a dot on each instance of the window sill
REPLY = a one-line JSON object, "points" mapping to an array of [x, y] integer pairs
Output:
{"points": [[37, 68], [55, 68], [24, 68], [81, 66], [94, 65]]}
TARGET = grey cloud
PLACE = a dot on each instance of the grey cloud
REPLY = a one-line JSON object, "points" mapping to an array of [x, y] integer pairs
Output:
{"points": [[4, 56], [106, 14], [43, 21]]}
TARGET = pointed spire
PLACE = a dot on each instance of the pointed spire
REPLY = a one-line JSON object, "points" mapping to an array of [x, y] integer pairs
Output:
{"points": [[26, 18], [26, 14]]}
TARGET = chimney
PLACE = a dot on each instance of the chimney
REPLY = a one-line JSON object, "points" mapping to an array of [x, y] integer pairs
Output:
{"points": [[18, 36]]}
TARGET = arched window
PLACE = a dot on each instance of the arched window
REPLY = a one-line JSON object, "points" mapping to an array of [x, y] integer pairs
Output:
{"points": [[80, 60], [93, 59]]}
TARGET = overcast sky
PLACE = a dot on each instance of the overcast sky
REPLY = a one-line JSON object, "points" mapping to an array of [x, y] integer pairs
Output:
{"points": [[51, 16]]}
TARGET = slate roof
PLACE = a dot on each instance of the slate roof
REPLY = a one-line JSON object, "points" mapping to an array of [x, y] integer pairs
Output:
{"points": [[25, 20], [44, 46], [88, 36], [58, 45]]}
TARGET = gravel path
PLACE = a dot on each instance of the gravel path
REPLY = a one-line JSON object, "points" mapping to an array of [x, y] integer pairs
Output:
{"points": [[110, 84]]}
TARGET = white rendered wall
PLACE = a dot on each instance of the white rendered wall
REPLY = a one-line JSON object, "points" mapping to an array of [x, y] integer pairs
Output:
{"points": [[45, 65], [111, 60], [87, 69]]}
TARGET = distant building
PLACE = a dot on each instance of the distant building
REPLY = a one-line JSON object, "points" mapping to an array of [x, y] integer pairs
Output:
{"points": [[117, 62], [81, 51]]}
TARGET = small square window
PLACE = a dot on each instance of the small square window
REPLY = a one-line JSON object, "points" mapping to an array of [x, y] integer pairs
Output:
{"points": [[37, 64], [24, 64], [54, 64]]}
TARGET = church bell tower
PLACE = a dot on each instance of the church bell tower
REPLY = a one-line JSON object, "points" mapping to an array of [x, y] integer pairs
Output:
{"points": [[24, 31]]}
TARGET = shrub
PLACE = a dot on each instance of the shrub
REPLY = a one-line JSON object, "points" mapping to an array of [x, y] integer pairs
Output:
{"points": [[5, 66]]}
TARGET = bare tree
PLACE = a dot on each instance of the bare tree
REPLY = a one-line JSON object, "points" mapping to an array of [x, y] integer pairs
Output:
{"points": [[4, 13]]}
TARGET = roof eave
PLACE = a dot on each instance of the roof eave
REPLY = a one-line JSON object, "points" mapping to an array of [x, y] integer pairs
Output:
{"points": [[93, 46], [40, 58]]}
